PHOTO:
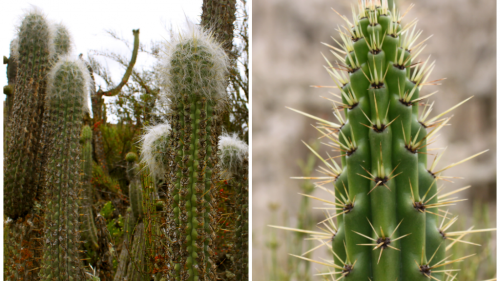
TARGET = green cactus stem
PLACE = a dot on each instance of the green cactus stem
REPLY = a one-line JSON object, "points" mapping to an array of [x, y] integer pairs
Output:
{"points": [[387, 204], [104, 266], [124, 258], [89, 232], [62, 40], [219, 16], [11, 78], [193, 74], [136, 267], [66, 103], [135, 196], [233, 155], [32, 52]]}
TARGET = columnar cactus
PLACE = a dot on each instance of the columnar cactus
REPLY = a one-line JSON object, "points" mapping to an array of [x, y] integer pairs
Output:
{"points": [[11, 77], [193, 73], [124, 258], [32, 52], [66, 103], [233, 154], [89, 231], [62, 40], [220, 16], [386, 197]]}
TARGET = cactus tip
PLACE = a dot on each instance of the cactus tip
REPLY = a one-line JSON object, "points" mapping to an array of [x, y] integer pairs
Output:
{"points": [[42, 28], [63, 42], [232, 151], [131, 157], [78, 72], [192, 44], [151, 142]]}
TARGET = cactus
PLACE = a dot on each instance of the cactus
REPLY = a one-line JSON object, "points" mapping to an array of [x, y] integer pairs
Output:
{"points": [[135, 187], [136, 267], [32, 52], [89, 231], [220, 16], [62, 40], [233, 155], [193, 73], [11, 77], [66, 103], [386, 197], [124, 258]]}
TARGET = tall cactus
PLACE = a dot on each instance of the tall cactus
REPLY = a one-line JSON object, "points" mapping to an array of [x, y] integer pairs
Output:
{"points": [[233, 154], [32, 52], [193, 72], [66, 103], [89, 231], [387, 204]]}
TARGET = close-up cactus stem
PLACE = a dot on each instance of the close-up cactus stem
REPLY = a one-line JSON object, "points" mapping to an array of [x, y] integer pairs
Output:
{"points": [[390, 219]]}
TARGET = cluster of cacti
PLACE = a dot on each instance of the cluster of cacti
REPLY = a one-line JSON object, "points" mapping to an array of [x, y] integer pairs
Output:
{"points": [[392, 223], [58, 177], [28, 142]]}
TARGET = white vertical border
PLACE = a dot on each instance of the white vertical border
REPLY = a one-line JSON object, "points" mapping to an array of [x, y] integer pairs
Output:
{"points": [[250, 62]]}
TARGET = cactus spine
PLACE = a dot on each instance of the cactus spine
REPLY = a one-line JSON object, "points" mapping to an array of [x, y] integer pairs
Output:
{"points": [[66, 101], [385, 195]]}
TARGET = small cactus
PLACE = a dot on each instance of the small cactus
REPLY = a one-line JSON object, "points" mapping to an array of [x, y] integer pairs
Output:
{"points": [[233, 154], [89, 231], [62, 40], [66, 103]]}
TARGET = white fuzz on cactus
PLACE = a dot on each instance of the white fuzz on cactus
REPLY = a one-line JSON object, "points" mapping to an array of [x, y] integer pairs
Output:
{"points": [[180, 47], [34, 15], [63, 64], [62, 40], [232, 151], [153, 145]]}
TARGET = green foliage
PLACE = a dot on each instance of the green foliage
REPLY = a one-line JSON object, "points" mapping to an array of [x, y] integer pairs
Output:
{"points": [[115, 225], [103, 182], [107, 210]]}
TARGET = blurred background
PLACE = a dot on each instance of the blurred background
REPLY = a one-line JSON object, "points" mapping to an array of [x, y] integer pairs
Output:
{"points": [[287, 60]]}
